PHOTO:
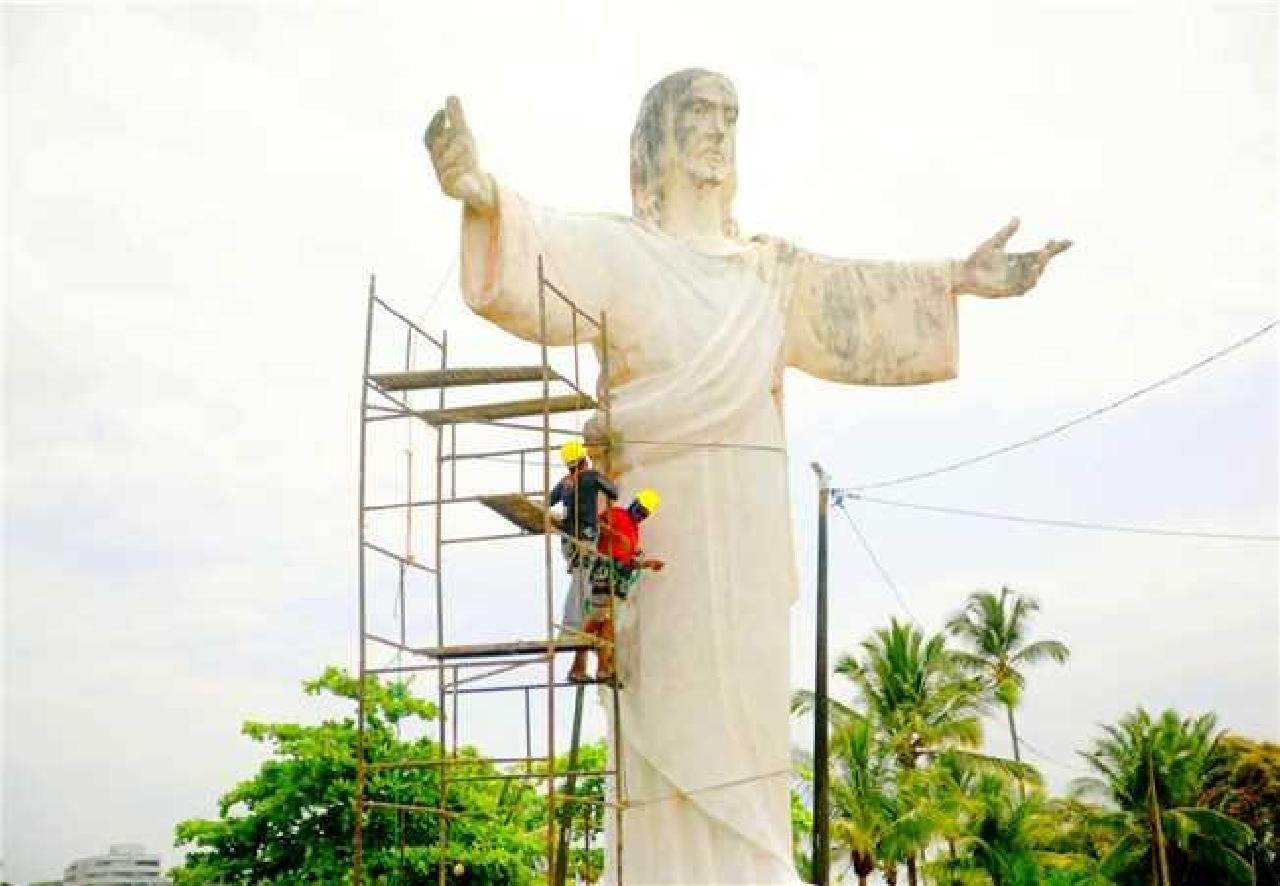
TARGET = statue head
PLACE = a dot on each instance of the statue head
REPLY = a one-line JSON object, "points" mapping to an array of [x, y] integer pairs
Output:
{"points": [[685, 136]]}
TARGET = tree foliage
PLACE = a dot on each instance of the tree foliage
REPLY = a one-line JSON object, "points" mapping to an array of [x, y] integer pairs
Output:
{"points": [[995, 631], [293, 821], [1244, 782], [1154, 772], [910, 786]]}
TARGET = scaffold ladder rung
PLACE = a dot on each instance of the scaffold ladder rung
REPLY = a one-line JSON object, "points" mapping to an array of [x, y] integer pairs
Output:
{"points": [[485, 412], [461, 377]]}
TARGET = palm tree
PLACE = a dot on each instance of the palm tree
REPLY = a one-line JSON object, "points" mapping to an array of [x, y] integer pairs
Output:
{"points": [[862, 796], [1153, 771], [1011, 837], [913, 693], [995, 628]]}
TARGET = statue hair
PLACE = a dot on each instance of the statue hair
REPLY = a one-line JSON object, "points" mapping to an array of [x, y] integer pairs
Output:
{"points": [[653, 143]]}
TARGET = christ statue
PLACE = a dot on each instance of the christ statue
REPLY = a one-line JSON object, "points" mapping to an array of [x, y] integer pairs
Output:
{"points": [[702, 322]]}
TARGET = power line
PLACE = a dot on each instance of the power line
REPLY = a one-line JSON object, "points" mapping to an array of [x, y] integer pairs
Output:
{"points": [[884, 574], [1049, 758], [1063, 524], [1058, 429]]}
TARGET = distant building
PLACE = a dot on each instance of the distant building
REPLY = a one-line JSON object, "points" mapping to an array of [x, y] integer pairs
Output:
{"points": [[125, 864]]}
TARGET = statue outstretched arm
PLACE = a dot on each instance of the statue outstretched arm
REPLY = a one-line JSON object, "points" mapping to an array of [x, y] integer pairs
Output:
{"points": [[885, 322], [503, 238], [453, 154], [991, 272]]}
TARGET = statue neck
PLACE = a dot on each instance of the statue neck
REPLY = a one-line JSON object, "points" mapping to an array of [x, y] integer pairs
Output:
{"points": [[692, 211]]}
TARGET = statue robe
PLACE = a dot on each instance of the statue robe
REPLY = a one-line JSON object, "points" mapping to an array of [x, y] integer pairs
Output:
{"points": [[697, 346]]}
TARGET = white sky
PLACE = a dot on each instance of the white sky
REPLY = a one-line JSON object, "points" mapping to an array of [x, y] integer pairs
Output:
{"points": [[195, 195]]}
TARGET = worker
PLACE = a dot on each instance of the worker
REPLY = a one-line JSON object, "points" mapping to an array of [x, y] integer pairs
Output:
{"points": [[616, 572], [576, 498]]}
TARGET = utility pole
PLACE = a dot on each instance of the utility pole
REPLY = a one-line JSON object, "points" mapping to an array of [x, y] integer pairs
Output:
{"points": [[821, 794]]}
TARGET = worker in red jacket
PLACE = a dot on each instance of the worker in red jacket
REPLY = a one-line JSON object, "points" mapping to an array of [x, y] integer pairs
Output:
{"points": [[616, 572]]}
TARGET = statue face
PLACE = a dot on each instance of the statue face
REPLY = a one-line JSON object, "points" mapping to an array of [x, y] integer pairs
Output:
{"points": [[706, 123]]}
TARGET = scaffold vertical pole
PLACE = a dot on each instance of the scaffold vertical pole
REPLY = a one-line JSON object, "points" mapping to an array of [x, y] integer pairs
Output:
{"points": [[357, 859], [442, 821], [548, 571]]}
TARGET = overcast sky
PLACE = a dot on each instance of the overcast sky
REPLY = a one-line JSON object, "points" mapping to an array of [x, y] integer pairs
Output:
{"points": [[196, 194]]}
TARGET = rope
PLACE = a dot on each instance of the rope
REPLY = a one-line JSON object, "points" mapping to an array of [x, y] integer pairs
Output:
{"points": [[684, 795], [757, 447], [435, 296], [1058, 429], [1065, 524]]}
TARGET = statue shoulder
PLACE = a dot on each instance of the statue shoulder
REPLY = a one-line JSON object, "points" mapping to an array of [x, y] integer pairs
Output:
{"points": [[777, 249]]}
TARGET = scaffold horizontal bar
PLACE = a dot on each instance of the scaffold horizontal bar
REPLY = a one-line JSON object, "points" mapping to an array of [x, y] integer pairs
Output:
{"points": [[519, 776], [454, 761], [430, 810], [493, 453], [461, 377], [513, 426], [518, 687], [414, 326], [485, 412], [533, 652], [401, 559], [466, 539], [448, 500], [405, 669], [473, 678]]}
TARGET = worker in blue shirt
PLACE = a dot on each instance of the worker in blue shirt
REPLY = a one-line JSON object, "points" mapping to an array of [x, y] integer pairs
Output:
{"points": [[576, 499]]}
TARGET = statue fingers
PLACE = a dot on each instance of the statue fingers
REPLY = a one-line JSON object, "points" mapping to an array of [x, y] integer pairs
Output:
{"points": [[457, 119], [435, 129], [1001, 238], [1053, 247], [456, 152]]}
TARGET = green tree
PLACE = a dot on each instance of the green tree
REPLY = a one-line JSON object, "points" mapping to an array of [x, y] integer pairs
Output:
{"points": [[802, 831], [863, 808], [293, 821], [1012, 835], [912, 691], [1244, 782], [1154, 774], [996, 628], [583, 816]]}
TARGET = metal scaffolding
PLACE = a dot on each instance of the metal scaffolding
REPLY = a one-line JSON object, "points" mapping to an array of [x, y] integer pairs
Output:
{"points": [[413, 391]]}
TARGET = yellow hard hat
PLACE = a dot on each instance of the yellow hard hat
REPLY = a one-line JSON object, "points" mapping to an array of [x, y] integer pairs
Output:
{"points": [[649, 500], [572, 452]]}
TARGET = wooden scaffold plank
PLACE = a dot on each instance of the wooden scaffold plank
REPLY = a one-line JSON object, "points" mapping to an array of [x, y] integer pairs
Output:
{"points": [[513, 647], [461, 377], [526, 514], [485, 412]]}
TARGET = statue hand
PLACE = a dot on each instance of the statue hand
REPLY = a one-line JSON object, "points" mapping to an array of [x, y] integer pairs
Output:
{"points": [[453, 154], [993, 273]]}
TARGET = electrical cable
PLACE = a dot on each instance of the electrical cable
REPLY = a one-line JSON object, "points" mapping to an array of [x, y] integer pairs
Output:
{"points": [[1023, 741], [884, 574], [1058, 429], [1063, 524]]}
